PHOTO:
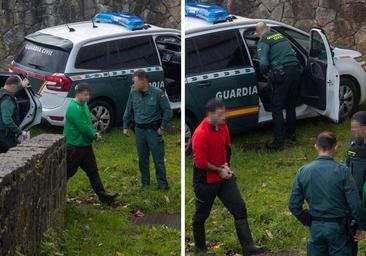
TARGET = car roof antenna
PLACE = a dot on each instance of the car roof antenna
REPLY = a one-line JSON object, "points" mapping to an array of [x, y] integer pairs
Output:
{"points": [[70, 29], [94, 26]]}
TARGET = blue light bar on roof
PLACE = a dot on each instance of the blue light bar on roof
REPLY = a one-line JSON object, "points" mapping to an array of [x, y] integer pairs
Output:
{"points": [[127, 20], [209, 12]]}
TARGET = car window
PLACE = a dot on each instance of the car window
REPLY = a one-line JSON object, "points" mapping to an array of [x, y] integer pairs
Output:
{"points": [[133, 52], [92, 57], [42, 57], [318, 50], [193, 64], [117, 54], [221, 50], [301, 39]]}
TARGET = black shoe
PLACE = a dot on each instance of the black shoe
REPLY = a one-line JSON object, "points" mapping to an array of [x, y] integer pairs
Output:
{"points": [[107, 198], [274, 146], [199, 237], [245, 238], [164, 188]]}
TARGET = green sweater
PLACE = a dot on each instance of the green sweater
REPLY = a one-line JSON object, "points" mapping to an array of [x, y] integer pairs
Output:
{"points": [[78, 128]]}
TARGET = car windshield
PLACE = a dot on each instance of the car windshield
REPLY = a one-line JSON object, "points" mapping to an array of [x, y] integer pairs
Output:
{"points": [[41, 57]]}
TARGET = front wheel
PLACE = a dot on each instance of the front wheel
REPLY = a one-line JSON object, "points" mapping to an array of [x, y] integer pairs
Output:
{"points": [[348, 98], [102, 115]]}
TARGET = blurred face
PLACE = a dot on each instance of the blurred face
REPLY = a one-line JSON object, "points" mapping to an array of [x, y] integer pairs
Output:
{"points": [[358, 130], [83, 97], [217, 117], [139, 84]]}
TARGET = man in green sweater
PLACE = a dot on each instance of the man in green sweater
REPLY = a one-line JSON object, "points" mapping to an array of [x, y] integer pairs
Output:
{"points": [[80, 134]]}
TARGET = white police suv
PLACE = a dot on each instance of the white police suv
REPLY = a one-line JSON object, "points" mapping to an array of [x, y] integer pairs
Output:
{"points": [[221, 62], [104, 52]]}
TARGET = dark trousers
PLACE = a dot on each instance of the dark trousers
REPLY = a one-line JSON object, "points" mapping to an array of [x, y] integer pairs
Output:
{"points": [[326, 238], [227, 191], [84, 158], [284, 96], [148, 140], [7, 142]]}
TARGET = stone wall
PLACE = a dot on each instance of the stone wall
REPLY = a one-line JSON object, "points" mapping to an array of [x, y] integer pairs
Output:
{"points": [[32, 193], [19, 18], [343, 20]]}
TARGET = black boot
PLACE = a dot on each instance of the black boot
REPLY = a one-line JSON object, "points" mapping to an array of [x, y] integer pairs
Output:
{"points": [[98, 188], [106, 197], [199, 237], [274, 146], [245, 238]]}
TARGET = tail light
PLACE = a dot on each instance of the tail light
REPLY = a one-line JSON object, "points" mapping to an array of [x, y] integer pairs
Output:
{"points": [[55, 82], [58, 82]]}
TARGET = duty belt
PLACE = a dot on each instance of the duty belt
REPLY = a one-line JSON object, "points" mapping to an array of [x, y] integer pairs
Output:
{"points": [[153, 125], [337, 219]]}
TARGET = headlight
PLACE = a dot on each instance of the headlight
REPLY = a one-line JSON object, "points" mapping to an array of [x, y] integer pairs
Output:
{"points": [[362, 61]]}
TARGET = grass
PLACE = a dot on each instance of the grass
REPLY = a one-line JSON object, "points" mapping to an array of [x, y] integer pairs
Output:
{"points": [[265, 181], [94, 229]]}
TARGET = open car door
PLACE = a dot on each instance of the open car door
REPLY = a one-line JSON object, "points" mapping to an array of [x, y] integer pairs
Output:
{"points": [[321, 87], [30, 108], [169, 47]]}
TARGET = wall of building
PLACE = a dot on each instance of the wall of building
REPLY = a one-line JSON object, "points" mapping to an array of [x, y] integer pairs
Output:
{"points": [[343, 20]]}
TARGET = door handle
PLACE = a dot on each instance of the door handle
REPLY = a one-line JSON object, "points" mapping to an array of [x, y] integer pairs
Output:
{"points": [[122, 77], [203, 84]]}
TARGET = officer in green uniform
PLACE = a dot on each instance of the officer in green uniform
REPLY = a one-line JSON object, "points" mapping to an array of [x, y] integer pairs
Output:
{"points": [[331, 193], [150, 110], [9, 113], [278, 61], [356, 161]]}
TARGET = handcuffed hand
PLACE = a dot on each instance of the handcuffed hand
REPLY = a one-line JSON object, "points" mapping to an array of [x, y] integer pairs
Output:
{"points": [[226, 172]]}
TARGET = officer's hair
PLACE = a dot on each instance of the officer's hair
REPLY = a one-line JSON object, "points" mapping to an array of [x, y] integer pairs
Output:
{"points": [[13, 80], [215, 104], [82, 87], [141, 75], [326, 140], [359, 117]]}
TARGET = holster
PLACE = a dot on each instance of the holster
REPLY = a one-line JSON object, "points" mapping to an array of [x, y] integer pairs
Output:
{"points": [[348, 226]]}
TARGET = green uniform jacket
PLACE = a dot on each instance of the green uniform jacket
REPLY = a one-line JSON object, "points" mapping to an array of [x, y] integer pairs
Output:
{"points": [[78, 129], [329, 189], [8, 108], [147, 107], [275, 51]]}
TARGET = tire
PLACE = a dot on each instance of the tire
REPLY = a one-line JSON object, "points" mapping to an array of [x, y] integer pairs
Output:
{"points": [[190, 126], [102, 115], [348, 98]]}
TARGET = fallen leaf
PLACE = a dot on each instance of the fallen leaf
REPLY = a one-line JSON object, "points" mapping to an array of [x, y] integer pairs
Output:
{"points": [[269, 234]]}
